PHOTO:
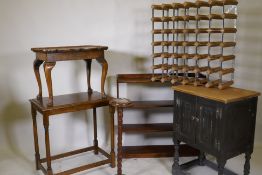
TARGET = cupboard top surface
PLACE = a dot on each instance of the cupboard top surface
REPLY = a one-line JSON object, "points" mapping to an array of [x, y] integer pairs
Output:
{"points": [[225, 96]]}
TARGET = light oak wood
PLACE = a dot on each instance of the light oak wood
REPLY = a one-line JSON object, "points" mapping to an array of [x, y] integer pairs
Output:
{"points": [[226, 96], [225, 85]]}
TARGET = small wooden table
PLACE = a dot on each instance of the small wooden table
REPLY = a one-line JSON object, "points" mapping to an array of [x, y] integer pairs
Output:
{"points": [[53, 105], [218, 122], [50, 55]]}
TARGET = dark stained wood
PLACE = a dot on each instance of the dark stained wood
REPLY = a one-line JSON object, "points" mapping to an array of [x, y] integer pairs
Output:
{"points": [[37, 155], [70, 102], [37, 64], [143, 151], [68, 49], [95, 131], [48, 66], [148, 128], [155, 151], [50, 55], [47, 145], [119, 140], [113, 155], [118, 105], [88, 73], [150, 104], [143, 78], [102, 61]]}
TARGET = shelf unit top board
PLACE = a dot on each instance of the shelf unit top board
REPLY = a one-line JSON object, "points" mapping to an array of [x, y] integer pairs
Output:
{"points": [[226, 96]]}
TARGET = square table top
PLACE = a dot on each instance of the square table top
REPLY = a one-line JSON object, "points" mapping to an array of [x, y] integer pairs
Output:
{"points": [[225, 96]]}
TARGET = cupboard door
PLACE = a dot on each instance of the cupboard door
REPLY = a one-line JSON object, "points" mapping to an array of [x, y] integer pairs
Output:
{"points": [[208, 116], [184, 115]]}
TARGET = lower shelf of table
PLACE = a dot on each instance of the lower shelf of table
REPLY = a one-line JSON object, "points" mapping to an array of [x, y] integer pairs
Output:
{"points": [[155, 151], [77, 169]]}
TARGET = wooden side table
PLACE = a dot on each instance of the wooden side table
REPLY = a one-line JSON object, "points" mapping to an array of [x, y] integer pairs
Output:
{"points": [[53, 105], [50, 55], [218, 122]]}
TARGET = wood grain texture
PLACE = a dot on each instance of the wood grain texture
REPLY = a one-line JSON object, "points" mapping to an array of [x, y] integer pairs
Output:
{"points": [[68, 49], [154, 151], [70, 103], [148, 128], [226, 96]]}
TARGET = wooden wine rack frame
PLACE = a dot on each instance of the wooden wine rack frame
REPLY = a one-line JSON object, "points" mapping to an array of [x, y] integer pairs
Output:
{"points": [[171, 43]]}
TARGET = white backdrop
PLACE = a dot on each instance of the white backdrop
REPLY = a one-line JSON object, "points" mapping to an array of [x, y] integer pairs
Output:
{"points": [[122, 25]]}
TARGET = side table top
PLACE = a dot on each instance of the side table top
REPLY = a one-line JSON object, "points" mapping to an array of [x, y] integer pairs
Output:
{"points": [[225, 96], [71, 102], [63, 49]]}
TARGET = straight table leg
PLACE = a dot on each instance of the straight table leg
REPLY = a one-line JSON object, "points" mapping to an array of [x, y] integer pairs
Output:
{"points": [[88, 72], [119, 141], [48, 66], [37, 155], [95, 131], [112, 112], [47, 145], [37, 64], [102, 61]]}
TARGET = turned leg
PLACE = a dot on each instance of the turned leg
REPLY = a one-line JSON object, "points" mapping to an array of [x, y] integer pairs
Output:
{"points": [[202, 158], [88, 72], [221, 166], [176, 170], [119, 141], [112, 112], [48, 66], [247, 163], [47, 145], [104, 65], [37, 155], [95, 131], [37, 64]]}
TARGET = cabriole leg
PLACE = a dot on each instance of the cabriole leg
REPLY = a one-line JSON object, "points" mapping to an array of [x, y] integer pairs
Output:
{"points": [[102, 61], [48, 66], [88, 72], [37, 64]]}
